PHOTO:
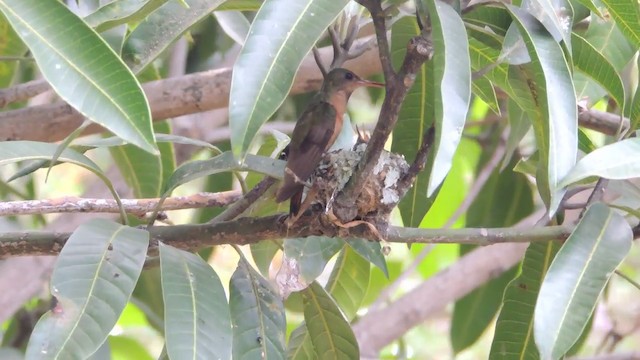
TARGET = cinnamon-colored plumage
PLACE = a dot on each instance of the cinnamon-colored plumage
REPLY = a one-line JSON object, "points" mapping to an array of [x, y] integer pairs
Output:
{"points": [[316, 130]]}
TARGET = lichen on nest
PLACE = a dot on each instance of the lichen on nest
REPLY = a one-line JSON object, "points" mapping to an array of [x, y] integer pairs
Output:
{"points": [[379, 194]]}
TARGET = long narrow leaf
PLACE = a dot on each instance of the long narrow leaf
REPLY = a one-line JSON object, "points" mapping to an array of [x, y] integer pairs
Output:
{"points": [[330, 333], [198, 322], [577, 277], [281, 35], [105, 91], [557, 119], [257, 316], [452, 74]]}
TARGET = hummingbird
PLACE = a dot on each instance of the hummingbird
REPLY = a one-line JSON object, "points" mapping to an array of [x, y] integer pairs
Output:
{"points": [[315, 131]]}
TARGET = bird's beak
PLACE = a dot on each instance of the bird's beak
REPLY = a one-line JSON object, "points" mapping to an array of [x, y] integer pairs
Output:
{"points": [[370, 83]]}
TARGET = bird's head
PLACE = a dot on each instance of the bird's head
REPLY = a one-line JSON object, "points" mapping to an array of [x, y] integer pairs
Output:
{"points": [[339, 79]]}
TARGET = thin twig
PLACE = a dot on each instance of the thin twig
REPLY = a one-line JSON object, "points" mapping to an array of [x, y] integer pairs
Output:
{"points": [[628, 278], [418, 164], [132, 206], [596, 194]]}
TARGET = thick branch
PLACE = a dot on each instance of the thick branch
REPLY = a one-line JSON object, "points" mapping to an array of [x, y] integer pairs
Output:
{"points": [[252, 230], [131, 206]]}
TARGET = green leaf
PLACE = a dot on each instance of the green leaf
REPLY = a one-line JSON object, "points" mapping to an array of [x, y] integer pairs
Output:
{"points": [[281, 35], [370, 250], [160, 138], [483, 88], [234, 24], [417, 116], [121, 12], [555, 15], [513, 337], [634, 110], [590, 61], [349, 281], [576, 278], [162, 28], [330, 333], [222, 163], [615, 161], [142, 171], [556, 121], [262, 253], [105, 91], [300, 346], [627, 17], [584, 142], [452, 76], [257, 316], [475, 312], [93, 279], [14, 151], [348, 285], [242, 5], [198, 323], [312, 254]]}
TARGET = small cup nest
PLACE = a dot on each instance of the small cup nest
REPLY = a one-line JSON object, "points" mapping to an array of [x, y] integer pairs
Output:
{"points": [[379, 195]]}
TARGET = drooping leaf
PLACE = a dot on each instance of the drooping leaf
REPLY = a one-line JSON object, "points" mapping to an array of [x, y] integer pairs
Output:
{"points": [[198, 323], [221, 163], [281, 35], [555, 121], [349, 281], [348, 285], [162, 28], [330, 333], [160, 138], [577, 277], [104, 91], [452, 76], [257, 316], [93, 279], [513, 338]]}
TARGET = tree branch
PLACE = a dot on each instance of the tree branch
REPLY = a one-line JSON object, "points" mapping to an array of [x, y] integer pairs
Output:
{"points": [[252, 230], [132, 206]]}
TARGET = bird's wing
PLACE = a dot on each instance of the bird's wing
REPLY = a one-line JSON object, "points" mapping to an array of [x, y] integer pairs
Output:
{"points": [[309, 140]]}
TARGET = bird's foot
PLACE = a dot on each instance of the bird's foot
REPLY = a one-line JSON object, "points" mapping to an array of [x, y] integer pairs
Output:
{"points": [[335, 221]]}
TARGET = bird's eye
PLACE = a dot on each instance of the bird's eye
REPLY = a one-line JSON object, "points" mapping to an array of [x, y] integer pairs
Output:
{"points": [[348, 76]]}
